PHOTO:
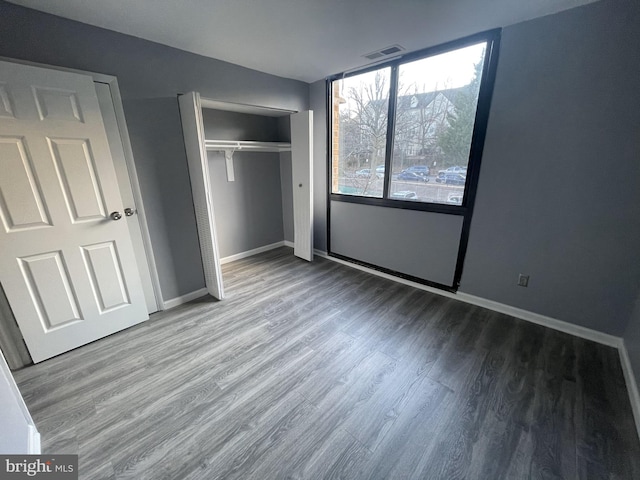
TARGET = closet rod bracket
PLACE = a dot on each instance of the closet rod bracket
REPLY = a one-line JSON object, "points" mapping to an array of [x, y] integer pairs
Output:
{"points": [[228, 159]]}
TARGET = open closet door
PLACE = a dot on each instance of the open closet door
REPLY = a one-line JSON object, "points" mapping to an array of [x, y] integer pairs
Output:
{"points": [[193, 131], [301, 154]]}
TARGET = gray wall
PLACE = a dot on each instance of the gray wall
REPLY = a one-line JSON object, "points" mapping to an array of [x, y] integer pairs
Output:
{"points": [[150, 77], [559, 190], [223, 125], [248, 211], [632, 339], [559, 195]]}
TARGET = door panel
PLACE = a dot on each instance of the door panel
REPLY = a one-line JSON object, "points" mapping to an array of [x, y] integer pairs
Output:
{"points": [[106, 275], [6, 110], [68, 269], [48, 283], [77, 175], [193, 131], [301, 155], [57, 104], [21, 205]]}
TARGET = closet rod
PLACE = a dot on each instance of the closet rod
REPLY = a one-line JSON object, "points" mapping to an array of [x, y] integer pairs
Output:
{"points": [[222, 145], [228, 147]]}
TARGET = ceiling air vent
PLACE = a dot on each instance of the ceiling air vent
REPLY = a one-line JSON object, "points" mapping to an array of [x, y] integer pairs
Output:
{"points": [[384, 52]]}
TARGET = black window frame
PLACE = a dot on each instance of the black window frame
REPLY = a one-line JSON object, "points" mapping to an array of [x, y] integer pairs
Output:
{"points": [[492, 39], [487, 82]]}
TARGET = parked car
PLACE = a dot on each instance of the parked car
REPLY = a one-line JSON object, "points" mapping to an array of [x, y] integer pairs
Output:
{"points": [[422, 170], [455, 179], [380, 171], [452, 170], [404, 195], [412, 176], [364, 173], [455, 198]]}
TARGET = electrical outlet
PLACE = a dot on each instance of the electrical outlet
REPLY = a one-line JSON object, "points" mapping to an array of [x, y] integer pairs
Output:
{"points": [[523, 280]]}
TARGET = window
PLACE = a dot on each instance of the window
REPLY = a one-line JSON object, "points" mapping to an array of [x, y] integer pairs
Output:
{"points": [[424, 155], [360, 109]]}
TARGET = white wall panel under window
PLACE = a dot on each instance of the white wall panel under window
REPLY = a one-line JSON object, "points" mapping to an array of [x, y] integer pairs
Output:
{"points": [[412, 242]]}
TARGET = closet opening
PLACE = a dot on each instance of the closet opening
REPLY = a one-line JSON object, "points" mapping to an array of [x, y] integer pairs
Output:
{"points": [[250, 172]]}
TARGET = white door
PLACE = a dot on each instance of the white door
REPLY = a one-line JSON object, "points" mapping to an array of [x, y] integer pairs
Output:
{"points": [[193, 131], [66, 263], [301, 155]]}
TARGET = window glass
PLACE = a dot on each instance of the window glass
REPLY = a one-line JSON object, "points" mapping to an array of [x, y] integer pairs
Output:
{"points": [[360, 106], [435, 114]]}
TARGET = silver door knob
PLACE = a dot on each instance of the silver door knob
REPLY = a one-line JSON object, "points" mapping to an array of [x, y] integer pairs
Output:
{"points": [[129, 212], [115, 215]]}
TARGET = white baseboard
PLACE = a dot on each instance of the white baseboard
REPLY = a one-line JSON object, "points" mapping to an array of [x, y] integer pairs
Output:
{"points": [[632, 385], [287, 243], [255, 251], [566, 327], [174, 302], [560, 325]]}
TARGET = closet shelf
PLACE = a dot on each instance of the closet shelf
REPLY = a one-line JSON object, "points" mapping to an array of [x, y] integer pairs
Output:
{"points": [[231, 146], [247, 145]]}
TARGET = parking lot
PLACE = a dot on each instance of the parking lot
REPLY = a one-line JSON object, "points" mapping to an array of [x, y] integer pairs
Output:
{"points": [[426, 192]]}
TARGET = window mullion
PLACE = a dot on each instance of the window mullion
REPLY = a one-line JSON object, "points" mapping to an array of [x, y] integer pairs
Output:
{"points": [[391, 120]]}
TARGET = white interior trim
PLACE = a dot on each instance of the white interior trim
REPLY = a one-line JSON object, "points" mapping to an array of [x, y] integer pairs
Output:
{"points": [[632, 385], [560, 325], [34, 441], [128, 154], [244, 108], [187, 297], [34, 437], [200, 180], [250, 253]]}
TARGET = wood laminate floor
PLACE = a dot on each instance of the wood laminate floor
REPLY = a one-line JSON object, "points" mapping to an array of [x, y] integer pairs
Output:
{"points": [[320, 371]]}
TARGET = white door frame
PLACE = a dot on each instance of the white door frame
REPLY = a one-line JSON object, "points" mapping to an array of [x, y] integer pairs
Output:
{"points": [[19, 431], [131, 172], [193, 131]]}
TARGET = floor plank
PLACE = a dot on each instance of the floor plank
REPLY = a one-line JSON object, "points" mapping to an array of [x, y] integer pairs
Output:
{"points": [[320, 371]]}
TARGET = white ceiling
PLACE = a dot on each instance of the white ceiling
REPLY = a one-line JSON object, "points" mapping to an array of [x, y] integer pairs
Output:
{"points": [[302, 39]]}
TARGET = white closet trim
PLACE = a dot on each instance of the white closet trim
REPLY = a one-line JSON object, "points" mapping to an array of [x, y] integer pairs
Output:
{"points": [[245, 108], [228, 147]]}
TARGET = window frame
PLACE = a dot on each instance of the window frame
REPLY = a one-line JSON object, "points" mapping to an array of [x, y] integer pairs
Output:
{"points": [[492, 38]]}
